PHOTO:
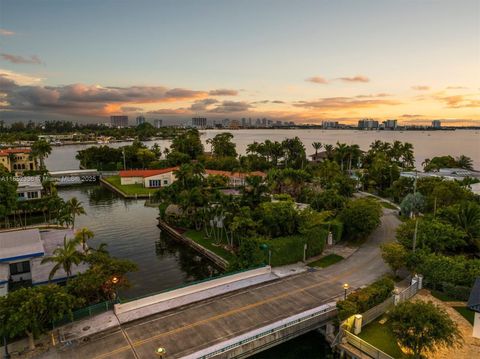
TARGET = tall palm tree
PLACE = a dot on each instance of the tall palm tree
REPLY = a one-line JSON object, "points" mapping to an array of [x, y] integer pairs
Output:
{"points": [[317, 146], [64, 257], [75, 208], [329, 151], [468, 218], [341, 152], [41, 149], [82, 236]]}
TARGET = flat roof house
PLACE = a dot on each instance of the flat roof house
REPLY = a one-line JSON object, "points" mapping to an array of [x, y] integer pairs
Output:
{"points": [[29, 187], [21, 254]]}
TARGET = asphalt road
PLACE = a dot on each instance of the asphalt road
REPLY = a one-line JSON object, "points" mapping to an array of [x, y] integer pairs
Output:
{"points": [[188, 329]]}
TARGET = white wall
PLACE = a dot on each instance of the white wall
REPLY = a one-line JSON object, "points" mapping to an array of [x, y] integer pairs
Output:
{"points": [[131, 180], [169, 176]]}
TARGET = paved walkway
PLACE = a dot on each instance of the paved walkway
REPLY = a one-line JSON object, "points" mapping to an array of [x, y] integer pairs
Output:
{"points": [[191, 328]]}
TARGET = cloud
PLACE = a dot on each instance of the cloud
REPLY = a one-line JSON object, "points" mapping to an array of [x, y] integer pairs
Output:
{"points": [[269, 101], [407, 115], [232, 106], [458, 101], [317, 80], [85, 100], [16, 59], [223, 92], [19, 79], [344, 103], [5, 32], [202, 105], [421, 88], [131, 109], [358, 78], [278, 101], [169, 111], [456, 88], [382, 94]]}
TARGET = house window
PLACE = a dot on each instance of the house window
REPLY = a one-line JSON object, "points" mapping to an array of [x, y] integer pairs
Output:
{"points": [[154, 183], [165, 182], [20, 268], [32, 195]]}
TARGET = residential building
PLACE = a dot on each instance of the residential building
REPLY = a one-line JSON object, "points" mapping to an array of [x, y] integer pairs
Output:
{"points": [[330, 124], [437, 124], [29, 187], [368, 124], [18, 160], [446, 173], [235, 179], [21, 254], [319, 157], [140, 120], [157, 123], [148, 178], [390, 124], [119, 121]]}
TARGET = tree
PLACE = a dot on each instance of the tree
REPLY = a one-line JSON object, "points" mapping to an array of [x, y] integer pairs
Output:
{"points": [[189, 143], [64, 257], [328, 200], [254, 191], [465, 162], [32, 310], [222, 145], [317, 146], [412, 204], [82, 236], [423, 327], [8, 194], [75, 208], [41, 149], [395, 255], [360, 218], [277, 218]]}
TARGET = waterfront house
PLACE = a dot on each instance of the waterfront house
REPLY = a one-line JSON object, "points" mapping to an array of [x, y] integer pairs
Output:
{"points": [[165, 177], [148, 178], [446, 173], [21, 254], [319, 157], [29, 188], [18, 160]]}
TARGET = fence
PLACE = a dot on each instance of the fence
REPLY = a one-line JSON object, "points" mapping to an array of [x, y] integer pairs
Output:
{"points": [[372, 314], [85, 312]]}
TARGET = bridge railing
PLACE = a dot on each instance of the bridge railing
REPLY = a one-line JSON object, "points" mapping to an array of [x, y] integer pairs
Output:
{"points": [[325, 310]]}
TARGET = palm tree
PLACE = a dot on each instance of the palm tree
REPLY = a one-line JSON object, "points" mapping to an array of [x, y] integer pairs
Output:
{"points": [[468, 218], [317, 146], [41, 149], [465, 162], [75, 208], [82, 236], [64, 257], [329, 151], [341, 152]]}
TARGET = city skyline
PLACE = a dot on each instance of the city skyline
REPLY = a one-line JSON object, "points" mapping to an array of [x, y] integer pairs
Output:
{"points": [[308, 61]]}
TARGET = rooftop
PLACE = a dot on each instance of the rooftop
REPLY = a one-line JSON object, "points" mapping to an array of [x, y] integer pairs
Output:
{"points": [[146, 173], [20, 244], [9, 151]]}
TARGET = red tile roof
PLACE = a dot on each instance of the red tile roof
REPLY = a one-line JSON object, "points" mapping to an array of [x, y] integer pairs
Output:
{"points": [[8, 151], [146, 173], [235, 174]]}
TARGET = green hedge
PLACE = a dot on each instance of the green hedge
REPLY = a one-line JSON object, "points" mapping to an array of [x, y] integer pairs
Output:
{"points": [[336, 227], [289, 249], [366, 298]]}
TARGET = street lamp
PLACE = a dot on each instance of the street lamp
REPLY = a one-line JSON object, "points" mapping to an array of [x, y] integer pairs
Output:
{"points": [[160, 352], [345, 287], [115, 281]]}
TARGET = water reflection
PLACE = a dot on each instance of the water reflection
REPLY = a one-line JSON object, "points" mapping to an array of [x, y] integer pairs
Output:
{"points": [[130, 230]]}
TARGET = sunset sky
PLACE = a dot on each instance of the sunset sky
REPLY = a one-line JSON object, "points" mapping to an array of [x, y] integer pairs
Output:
{"points": [[303, 61]]}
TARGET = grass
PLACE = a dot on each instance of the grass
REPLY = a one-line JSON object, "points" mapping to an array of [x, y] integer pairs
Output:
{"points": [[326, 261], [442, 296], [131, 189], [199, 237], [381, 336], [467, 313]]}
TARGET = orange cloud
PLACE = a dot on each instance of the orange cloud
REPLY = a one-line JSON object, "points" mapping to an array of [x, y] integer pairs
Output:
{"points": [[421, 88], [358, 78], [317, 80]]}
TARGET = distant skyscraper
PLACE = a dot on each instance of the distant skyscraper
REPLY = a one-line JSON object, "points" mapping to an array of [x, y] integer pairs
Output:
{"points": [[437, 124], [367, 124], [157, 123], [119, 121], [200, 122], [390, 124], [330, 124], [244, 122], [140, 120]]}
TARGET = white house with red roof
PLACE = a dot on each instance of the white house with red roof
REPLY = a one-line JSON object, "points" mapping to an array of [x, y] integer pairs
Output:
{"points": [[165, 177], [148, 178]]}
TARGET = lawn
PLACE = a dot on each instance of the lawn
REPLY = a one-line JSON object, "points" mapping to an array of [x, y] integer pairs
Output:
{"points": [[131, 189], [467, 313], [381, 336], [442, 296], [326, 261], [199, 237]]}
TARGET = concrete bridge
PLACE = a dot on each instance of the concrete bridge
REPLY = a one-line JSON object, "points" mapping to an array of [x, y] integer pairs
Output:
{"points": [[238, 323]]}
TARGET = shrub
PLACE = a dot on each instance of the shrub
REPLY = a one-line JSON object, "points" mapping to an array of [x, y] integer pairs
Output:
{"points": [[360, 218]]}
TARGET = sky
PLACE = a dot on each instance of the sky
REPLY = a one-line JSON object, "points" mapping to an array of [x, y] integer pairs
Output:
{"points": [[306, 61]]}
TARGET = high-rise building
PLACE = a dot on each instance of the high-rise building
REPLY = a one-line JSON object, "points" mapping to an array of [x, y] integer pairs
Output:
{"points": [[367, 124], [200, 122], [390, 124], [119, 121], [157, 123], [330, 124], [140, 120], [244, 122], [437, 124], [264, 122]]}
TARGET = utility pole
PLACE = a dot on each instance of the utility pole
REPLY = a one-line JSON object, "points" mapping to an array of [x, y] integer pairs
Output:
{"points": [[413, 212], [124, 162]]}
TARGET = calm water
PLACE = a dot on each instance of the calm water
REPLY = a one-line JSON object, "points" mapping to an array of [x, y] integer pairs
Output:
{"points": [[130, 230], [426, 144]]}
